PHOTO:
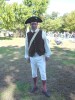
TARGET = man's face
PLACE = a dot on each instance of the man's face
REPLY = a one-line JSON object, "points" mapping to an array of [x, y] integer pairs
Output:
{"points": [[34, 25]]}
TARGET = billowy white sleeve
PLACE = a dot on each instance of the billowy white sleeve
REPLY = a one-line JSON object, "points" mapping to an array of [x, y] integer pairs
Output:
{"points": [[26, 47], [46, 45]]}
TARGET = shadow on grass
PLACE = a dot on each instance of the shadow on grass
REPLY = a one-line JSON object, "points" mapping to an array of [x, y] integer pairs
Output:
{"points": [[5, 38], [60, 74]]}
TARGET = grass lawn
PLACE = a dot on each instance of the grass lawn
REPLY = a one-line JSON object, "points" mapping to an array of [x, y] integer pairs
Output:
{"points": [[15, 72]]}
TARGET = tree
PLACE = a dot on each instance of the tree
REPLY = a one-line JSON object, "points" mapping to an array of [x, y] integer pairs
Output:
{"points": [[20, 12], [1, 10], [69, 21], [8, 17], [52, 25], [37, 7], [54, 15], [1, 2]]}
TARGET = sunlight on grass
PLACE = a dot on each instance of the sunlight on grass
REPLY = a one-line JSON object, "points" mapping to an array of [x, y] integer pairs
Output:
{"points": [[8, 93], [5, 38], [72, 96]]}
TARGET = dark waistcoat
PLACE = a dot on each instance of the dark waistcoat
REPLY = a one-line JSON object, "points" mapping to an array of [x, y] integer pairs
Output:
{"points": [[37, 44]]}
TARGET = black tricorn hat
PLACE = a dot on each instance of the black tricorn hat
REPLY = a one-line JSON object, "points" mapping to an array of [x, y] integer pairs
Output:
{"points": [[33, 19]]}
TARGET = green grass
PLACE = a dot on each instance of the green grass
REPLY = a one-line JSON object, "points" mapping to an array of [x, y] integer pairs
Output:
{"points": [[66, 57], [15, 71], [22, 87], [5, 38]]}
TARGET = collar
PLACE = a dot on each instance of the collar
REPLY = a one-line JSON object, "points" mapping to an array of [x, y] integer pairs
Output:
{"points": [[37, 30]]}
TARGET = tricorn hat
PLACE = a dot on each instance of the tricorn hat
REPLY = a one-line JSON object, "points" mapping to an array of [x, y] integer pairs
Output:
{"points": [[33, 19]]}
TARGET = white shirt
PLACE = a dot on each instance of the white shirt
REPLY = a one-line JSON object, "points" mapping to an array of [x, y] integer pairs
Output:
{"points": [[46, 45]]}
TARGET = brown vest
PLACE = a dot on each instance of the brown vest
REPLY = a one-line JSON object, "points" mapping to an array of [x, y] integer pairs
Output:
{"points": [[37, 44]]}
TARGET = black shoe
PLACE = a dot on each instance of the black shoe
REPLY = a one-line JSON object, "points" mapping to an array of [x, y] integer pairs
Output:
{"points": [[46, 93], [34, 90]]}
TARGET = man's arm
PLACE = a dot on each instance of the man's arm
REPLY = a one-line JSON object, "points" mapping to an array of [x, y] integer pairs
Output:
{"points": [[46, 45], [26, 48]]}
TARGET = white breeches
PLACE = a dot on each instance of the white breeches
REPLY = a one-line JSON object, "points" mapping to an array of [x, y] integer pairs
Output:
{"points": [[38, 62]]}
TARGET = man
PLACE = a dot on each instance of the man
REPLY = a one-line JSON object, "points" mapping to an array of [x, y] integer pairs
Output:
{"points": [[37, 53]]}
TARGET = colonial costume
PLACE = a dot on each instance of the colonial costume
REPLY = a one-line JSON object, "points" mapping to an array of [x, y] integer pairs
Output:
{"points": [[38, 51]]}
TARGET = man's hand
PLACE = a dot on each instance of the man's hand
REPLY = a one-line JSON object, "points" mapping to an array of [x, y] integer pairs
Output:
{"points": [[47, 58], [28, 60]]}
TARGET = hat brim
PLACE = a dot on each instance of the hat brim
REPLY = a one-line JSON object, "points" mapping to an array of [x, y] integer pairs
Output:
{"points": [[33, 19]]}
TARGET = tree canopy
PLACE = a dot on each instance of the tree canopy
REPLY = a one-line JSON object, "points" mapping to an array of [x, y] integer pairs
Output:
{"points": [[13, 16]]}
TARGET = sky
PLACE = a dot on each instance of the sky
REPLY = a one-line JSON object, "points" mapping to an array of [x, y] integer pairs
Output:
{"points": [[60, 6]]}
